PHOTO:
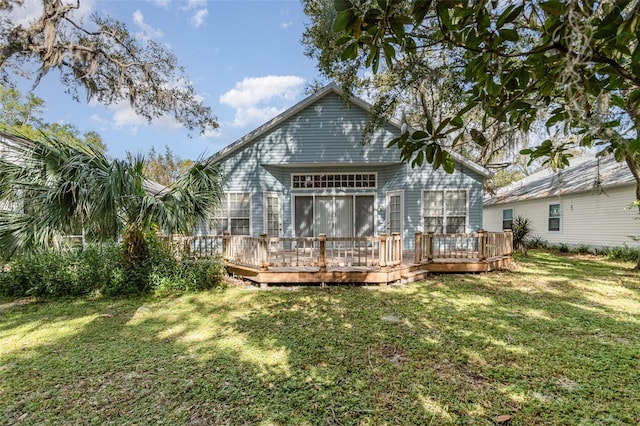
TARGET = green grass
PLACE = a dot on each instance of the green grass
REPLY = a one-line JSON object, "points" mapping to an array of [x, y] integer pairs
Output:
{"points": [[556, 341]]}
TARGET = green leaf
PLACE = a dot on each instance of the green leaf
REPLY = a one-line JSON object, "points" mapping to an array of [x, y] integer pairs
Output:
{"points": [[509, 15], [437, 160], [448, 164], [508, 34], [344, 20], [350, 52], [419, 10], [554, 7], [343, 40], [419, 134], [389, 53], [341, 5]]}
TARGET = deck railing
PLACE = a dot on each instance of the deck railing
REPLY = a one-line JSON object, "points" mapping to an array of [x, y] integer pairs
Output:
{"points": [[324, 252], [265, 252], [482, 245]]}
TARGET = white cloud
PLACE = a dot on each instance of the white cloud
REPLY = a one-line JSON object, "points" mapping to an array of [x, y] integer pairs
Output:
{"points": [[253, 90], [286, 25], [124, 117], [198, 18], [30, 10], [147, 31], [254, 98], [162, 3], [193, 4]]}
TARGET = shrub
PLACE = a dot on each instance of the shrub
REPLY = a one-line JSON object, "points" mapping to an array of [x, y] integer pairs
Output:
{"points": [[70, 273], [187, 275], [100, 268], [583, 249], [521, 230], [537, 242], [625, 253]]}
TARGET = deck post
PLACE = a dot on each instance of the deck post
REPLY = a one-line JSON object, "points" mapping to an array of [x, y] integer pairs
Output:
{"points": [[322, 256], [417, 249], [508, 250], [396, 249], [226, 244], [430, 246], [383, 250], [482, 245], [263, 252]]}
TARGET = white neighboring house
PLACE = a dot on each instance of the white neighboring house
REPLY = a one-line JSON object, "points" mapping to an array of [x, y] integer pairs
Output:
{"points": [[588, 203]]}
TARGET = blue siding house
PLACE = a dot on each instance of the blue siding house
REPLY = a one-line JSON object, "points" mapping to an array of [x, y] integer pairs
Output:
{"points": [[306, 172]]}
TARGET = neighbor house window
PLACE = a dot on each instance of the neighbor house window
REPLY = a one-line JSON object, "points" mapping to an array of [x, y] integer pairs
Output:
{"points": [[445, 211], [507, 218], [234, 214], [333, 180], [554, 217]]}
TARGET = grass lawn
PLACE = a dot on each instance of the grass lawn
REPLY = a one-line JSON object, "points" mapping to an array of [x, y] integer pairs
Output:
{"points": [[556, 341]]}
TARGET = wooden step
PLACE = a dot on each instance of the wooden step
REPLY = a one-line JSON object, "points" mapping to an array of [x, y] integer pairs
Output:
{"points": [[413, 276]]}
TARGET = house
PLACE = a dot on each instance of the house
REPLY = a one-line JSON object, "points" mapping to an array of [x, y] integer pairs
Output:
{"points": [[586, 204], [307, 172]]}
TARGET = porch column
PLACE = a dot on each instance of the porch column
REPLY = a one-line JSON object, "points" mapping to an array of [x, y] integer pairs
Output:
{"points": [[322, 256], [482, 245], [263, 252], [226, 240], [383, 250], [430, 246], [417, 249]]}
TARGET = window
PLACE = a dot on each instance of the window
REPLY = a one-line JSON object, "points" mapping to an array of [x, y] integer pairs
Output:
{"points": [[333, 180], [234, 214], [554, 217], [273, 214], [507, 219], [445, 211]]}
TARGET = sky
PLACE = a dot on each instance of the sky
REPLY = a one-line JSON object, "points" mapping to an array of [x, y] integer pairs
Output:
{"points": [[244, 57]]}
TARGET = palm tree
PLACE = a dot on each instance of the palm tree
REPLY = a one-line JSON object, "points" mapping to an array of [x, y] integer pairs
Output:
{"points": [[49, 187]]}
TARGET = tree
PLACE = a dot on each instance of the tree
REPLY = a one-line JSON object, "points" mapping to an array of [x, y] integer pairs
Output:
{"points": [[22, 115], [574, 62], [103, 61], [422, 88], [164, 168], [63, 185]]}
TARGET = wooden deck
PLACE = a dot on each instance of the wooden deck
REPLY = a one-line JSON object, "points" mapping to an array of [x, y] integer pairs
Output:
{"points": [[367, 260], [406, 272]]}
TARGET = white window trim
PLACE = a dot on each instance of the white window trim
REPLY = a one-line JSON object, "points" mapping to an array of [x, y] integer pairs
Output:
{"points": [[445, 190], [559, 204], [332, 194], [265, 226], [513, 216], [334, 188], [227, 193], [390, 194]]}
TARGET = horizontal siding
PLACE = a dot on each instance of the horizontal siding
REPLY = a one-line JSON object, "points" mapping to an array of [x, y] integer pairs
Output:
{"points": [[596, 220], [329, 135]]}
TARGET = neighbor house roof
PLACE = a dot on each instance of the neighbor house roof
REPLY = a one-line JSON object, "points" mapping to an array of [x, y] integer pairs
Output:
{"points": [[586, 174], [330, 88]]}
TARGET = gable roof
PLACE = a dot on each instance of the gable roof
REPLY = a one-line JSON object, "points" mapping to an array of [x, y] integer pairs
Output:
{"points": [[328, 89], [587, 174]]}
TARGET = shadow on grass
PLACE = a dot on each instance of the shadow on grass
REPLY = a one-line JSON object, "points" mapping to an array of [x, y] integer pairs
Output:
{"points": [[452, 350]]}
